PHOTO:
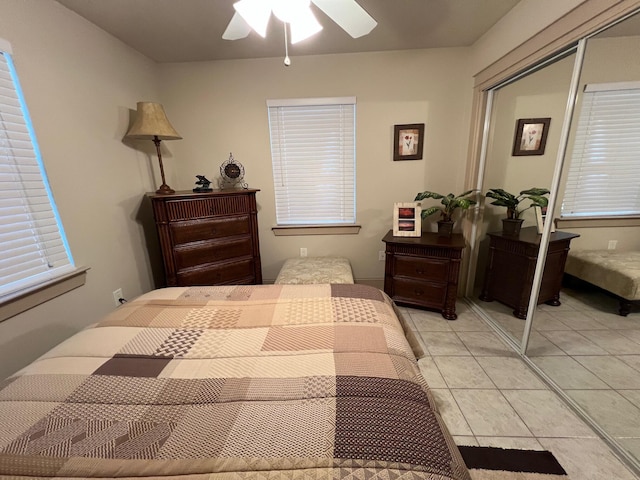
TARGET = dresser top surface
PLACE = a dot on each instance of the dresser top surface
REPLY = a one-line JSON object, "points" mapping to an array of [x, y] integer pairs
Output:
{"points": [[531, 235], [427, 239], [190, 194]]}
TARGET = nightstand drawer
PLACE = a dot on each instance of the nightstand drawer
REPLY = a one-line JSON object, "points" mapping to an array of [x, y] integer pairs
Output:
{"points": [[186, 232], [429, 269], [198, 254], [424, 293]]}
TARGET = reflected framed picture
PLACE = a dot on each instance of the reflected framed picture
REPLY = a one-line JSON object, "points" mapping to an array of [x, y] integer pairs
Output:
{"points": [[408, 141], [407, 221], [541, 217], [530, 137]]}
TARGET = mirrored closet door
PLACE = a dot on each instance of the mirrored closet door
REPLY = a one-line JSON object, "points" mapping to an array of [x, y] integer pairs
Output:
{"points": [[584, 346], [526, 118], [577, 341]]}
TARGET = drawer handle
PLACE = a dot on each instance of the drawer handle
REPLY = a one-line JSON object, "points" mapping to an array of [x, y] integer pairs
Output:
{"points": [[419, 272], [214, 231], [418, 292]]}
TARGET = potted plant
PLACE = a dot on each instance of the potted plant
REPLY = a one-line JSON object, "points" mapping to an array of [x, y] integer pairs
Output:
{"points": [[501, 198], [450, 203]]}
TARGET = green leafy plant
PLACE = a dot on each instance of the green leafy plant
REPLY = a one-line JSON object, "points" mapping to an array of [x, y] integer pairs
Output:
{"points": [[450, 203], [512, 202]]}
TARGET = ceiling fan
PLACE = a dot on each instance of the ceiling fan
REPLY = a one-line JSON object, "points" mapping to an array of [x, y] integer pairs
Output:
{"points": [[255, 14]]}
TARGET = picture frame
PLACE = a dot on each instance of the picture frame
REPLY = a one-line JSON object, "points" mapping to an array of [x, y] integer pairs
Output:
{"points": [[541, 216], [530, 137], [408, 141], [407, 219]]}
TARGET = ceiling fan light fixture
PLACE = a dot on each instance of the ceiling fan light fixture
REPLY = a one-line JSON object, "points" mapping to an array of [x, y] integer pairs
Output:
{"points": [[304, 27], [256, 13], [289, 11]]}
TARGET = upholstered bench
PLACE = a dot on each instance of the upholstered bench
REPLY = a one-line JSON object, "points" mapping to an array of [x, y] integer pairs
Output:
{"points": [[310, 270], [616, 272]]}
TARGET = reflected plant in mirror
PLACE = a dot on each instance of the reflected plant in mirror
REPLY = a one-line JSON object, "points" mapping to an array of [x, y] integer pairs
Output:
{"points": [[512, 223]]}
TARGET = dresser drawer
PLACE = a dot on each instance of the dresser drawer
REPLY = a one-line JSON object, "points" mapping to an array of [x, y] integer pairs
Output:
{"points": [[198, 230], [190, 255], [423, 293], [428, 269], [215, 274], [189, 209]]}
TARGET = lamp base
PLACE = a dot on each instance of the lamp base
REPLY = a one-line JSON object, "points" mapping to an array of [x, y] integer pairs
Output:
{"points": [[165, 190]]}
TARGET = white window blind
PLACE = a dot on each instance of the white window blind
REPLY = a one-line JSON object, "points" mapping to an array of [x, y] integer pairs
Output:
{"points": [[313, 155], [604, 174], [33, 248]]}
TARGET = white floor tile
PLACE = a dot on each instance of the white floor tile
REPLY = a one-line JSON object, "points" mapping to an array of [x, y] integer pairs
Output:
{"points": [[463, 372], [537, 407], [611, 370], [614, 413], [489, 414], [444, 343], [450, 412], [587, 459], [510, 373], [567, 373]]}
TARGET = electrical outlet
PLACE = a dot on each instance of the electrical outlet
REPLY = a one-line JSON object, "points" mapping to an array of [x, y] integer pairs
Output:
{"points": [[117, 295], [303, 252], [381, 255], [612, 244]]}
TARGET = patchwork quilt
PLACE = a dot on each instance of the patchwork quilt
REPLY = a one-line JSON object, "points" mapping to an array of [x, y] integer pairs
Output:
{"points": [[230, 382]]}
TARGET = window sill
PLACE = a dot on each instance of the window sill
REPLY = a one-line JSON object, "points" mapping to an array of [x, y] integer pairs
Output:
{"points": [[597, 222], [20, 302], [316, 230]]}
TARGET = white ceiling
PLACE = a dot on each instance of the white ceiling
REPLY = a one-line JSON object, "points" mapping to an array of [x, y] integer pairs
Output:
{"points": [[191, 30]]}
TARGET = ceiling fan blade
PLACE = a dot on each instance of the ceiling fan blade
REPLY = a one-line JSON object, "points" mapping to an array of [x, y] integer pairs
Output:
{"points": [[349, 15], [237, 28]]}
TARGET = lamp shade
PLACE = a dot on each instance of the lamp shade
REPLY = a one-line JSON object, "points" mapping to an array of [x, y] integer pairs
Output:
{"points": [[150, 122]]}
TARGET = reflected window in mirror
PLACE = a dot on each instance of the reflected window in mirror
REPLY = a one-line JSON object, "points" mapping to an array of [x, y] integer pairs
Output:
{"points": [[604, 173]]}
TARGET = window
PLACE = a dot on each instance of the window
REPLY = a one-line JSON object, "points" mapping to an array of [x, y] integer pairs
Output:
{"points": [[313, 155], [604, 174], [33, 248]]}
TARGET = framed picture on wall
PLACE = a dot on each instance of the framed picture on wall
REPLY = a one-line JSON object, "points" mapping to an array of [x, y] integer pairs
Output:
{"points": [[408, 141], [530, 137], [407, 221]]}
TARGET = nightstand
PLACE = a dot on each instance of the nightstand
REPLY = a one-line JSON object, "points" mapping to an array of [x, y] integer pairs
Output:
{"points": [[512, 264], [423, 271]]}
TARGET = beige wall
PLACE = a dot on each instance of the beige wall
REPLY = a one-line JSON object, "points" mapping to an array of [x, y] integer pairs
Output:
{"points": [[79, 84], [220, 107]]}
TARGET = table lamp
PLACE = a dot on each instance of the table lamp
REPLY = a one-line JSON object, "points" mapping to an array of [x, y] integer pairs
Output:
{"points": [[151, 123]]}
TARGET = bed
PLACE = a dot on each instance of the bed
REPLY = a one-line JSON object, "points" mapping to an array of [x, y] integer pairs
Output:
{"points": [[259, 381]]}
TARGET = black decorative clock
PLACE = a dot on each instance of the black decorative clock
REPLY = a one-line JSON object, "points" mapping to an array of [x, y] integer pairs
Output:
{"points": [[232, 174]]}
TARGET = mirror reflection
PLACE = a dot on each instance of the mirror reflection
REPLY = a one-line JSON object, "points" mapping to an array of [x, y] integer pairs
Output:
{"points": [[525, 126], [590, 345]]}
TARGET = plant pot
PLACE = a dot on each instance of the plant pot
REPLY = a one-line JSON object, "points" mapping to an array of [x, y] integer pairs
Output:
{"points": [[511, 226], [445, 228]]}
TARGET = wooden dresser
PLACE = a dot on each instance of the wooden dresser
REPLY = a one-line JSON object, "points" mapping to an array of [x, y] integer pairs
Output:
{"points": [[512, 264], [423, 271], [208, 238]]}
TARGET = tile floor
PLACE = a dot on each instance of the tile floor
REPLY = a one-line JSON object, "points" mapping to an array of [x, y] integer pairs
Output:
{"points": [[590, 352], [488, 396]]}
